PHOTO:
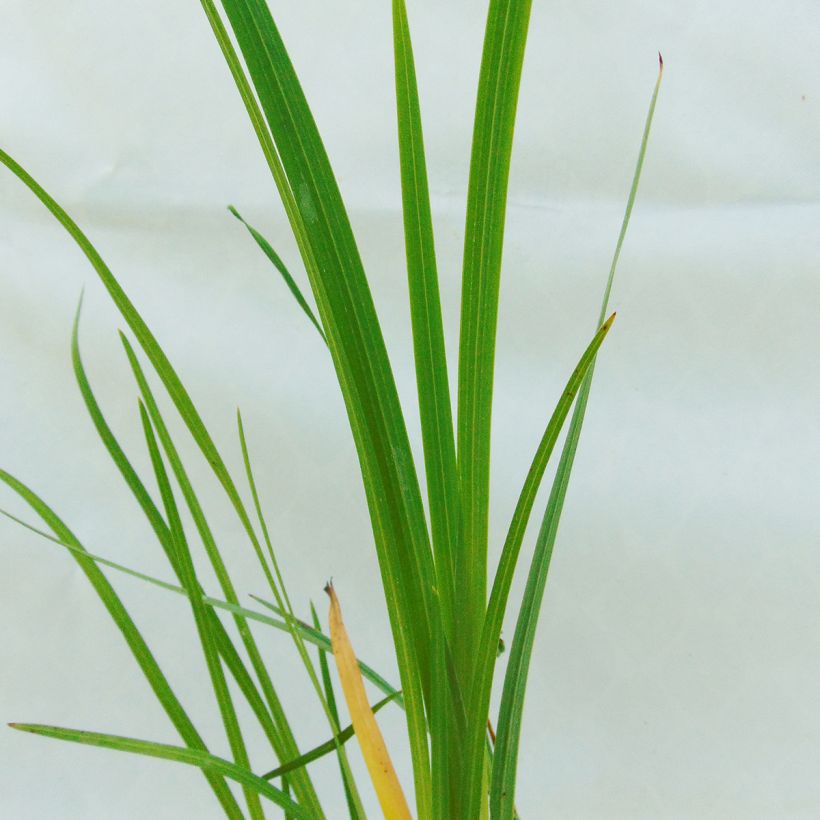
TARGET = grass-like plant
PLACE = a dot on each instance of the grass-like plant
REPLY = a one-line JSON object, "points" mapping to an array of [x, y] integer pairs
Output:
{"points": [[445, 609]]}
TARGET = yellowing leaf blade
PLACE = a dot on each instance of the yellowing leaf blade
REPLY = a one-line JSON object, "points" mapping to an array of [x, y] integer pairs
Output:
{"points": [[376, 757]]}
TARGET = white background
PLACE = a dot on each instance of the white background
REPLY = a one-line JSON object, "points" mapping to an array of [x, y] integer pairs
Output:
{"points": [[677, 664]]}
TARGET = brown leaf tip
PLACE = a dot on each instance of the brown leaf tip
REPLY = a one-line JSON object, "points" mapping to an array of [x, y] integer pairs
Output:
{"points": [[660, 60], [329, 587]]}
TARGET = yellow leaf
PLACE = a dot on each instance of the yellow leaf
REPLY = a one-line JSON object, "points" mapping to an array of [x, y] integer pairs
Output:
{"points": [[385, 781]]}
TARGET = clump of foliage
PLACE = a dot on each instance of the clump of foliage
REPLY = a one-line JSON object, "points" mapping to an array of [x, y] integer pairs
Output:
{"points": [[445, 611]]}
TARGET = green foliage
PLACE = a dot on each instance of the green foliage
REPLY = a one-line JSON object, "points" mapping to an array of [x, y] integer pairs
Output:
{"points": [[446, 631]]}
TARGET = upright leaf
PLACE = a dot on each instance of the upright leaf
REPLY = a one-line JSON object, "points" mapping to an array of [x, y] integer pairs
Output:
{"points": [[489, 646], [498, 85], [505, 763], [425, 311], [349, 319], [376, 757]]}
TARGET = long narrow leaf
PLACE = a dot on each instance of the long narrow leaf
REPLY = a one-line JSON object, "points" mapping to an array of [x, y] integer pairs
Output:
{"points": [[327, 747], [349, 319], [491, 633], [354, 804], [283, 600], [376, 757], [502, 788], [287, 744], [497, 99], [179, 396], [425, 311], [210, 764], [232, 659], [142, 654], [277, 262], [308, 633], [204, 626]]}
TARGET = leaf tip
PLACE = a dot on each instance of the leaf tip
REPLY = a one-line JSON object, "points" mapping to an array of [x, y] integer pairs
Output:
{"points": [[660, 62]]}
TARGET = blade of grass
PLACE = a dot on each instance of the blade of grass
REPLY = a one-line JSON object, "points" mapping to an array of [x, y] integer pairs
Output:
{"points": [[499, 80], [203, 625], [224, 643], [193, 757], [136, 643], [425, 310], [376, 757], [488, 648], [349, 319], [327, 747], [502, 786], [185, 406], [308, 633], [277, 262], [283, 600], [354, 806], [288, 749]]}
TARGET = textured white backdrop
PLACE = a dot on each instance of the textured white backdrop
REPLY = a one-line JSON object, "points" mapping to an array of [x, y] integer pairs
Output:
{"points": [[677, 665]]}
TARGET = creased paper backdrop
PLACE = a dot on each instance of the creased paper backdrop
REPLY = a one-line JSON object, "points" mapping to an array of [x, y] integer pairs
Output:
{"points": [[677, 666]]}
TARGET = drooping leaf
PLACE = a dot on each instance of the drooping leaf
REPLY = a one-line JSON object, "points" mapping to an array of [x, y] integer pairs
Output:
{"points": [[210, 764], [136, 643]]}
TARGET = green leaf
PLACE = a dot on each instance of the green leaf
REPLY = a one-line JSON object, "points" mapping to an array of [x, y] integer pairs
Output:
{"points": [[139, 649], [498, 85], [287, 747], [349, 319], [203, 624], [210, 764], [435, 409], [324, 748], [502, 786], [283, 600], [425, 311], [274, 257], [187, 411], [233, 661], [308, 633], [491, 632]]}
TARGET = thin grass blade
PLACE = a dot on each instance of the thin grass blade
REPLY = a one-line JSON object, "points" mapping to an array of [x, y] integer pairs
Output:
{"points": [[232, 659], [283, 600], [489, 647], [277, 262], [308, 633], [142, 654], [203, 624], [210, 764], [327, 747], [435, 408], [505, 763], [287, 748]]}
